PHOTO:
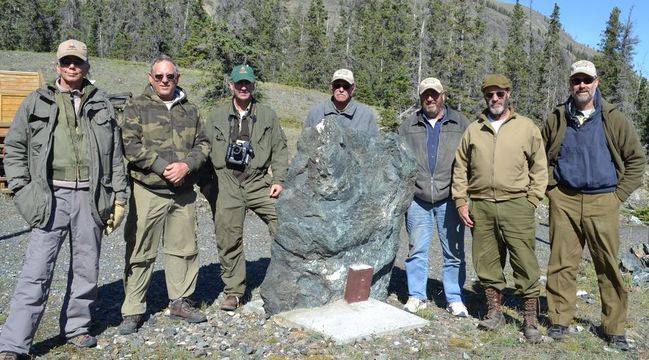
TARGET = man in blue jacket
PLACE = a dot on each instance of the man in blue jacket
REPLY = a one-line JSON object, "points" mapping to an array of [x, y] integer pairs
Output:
{"points": [[432, 135]]}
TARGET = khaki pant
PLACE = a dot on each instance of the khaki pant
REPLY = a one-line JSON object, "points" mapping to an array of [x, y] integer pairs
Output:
{"points": [[233, 199], [500, 227], [577, 219], [151, 218]]}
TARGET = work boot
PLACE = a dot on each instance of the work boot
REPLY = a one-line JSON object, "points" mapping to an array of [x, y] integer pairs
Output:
{"points": [[495, 317], [83, 341], [8, 355], [531, 322], [558, 332], [183, 309], [230, 303], [130, 324]]}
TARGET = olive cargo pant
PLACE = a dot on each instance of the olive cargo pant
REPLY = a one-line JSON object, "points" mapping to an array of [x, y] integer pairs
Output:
{"points": [[500, 227], [151, 218], [577, 219], [233, 199]]}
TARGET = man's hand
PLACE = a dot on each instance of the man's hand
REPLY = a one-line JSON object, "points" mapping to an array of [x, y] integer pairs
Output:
{"points": [[463, 211], [275, 190], [175, 173], [116, 217]]}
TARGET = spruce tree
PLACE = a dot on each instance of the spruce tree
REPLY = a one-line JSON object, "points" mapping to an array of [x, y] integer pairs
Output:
{"points": [[550, 83], [609, 61], [315, 45], [516, 59]]}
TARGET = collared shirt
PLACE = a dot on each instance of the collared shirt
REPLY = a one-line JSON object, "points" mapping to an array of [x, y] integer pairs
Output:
{"points": [[356, 115]]}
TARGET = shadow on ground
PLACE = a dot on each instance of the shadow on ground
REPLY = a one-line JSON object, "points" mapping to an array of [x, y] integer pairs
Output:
{"points": [[107, 308]]}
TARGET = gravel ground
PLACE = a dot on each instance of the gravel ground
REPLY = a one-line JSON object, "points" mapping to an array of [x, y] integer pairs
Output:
{"points": [[244, 334]]}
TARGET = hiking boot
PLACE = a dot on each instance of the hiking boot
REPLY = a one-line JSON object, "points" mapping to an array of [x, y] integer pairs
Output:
{"points": [[413, 305], [230, 303], [558, 332], [8, 355], [83, 341], [531, 322], [495, 317], [130, 324], [184, 309], [618, 342], [457, 309]]}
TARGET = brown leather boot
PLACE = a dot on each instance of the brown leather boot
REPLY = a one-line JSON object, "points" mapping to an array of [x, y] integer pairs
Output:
{"points": [[531, 322], [495, 317]]}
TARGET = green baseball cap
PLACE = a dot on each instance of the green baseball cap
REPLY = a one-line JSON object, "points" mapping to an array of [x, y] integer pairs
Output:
{"points": [[495, 80], [242, 72]]}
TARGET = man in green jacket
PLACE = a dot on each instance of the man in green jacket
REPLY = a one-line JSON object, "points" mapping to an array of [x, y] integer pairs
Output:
{"points": [[250, 162], [595, 161], [500, 165], [65, 166], [165, 146]]}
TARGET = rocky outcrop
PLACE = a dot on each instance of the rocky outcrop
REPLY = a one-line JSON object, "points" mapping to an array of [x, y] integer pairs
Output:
{"points": [[342, 205]]}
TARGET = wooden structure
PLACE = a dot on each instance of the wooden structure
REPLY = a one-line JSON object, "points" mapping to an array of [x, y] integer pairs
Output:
{"points": [[14, 87]]}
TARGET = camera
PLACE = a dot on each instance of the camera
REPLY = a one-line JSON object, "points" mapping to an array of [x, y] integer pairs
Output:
{"points": [[239, 153]]}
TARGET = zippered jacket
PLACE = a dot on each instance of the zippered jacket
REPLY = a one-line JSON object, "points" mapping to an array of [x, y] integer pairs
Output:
{"points": [[28, 147], [500, 166], [436, 186], [623, 142], [155, 136]]}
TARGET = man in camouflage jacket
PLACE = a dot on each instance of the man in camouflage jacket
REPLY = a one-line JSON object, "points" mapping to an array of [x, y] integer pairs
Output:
{"points": [[165, 145]]}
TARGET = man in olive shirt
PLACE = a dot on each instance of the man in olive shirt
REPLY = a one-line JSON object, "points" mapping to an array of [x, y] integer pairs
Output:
{"points": [[500, 166]]}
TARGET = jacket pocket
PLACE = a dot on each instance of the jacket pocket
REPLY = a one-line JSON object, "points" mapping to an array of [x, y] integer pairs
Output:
{"points": [[105, 198], [30, 204]]}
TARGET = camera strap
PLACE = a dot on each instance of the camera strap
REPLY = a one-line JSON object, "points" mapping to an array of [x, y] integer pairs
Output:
{"points": [[240, 124]]}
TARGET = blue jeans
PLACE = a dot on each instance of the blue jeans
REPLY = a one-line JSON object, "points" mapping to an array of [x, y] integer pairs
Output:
{"points": [[421, 218]]}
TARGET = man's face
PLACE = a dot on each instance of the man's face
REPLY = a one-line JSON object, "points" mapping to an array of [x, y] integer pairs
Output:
{"points": [[164, 78], [497, 100], [582, 89], [432, 102], [242, 90], [72, 70], [342, 91]]}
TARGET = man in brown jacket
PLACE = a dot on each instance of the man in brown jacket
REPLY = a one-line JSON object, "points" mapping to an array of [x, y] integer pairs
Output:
{"points": [[500, 165], [595, 161]]}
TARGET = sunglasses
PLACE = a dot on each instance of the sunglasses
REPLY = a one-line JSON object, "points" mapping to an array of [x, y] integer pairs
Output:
{"points": [[159, 77], [66, 61], [578, 80], [489, 95], [343, 85]]}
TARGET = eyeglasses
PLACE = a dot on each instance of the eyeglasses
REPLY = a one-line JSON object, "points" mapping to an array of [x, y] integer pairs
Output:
{"points": [[159, 77], [66, 61], [489, 95], [578, 80], [343, 85]]}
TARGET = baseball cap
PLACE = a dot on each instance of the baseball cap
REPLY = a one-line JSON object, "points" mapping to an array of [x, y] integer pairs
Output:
{"points": [[430, 83], [583, 67], [72, 48], [495, 80], [343, 74], [242, 72]]}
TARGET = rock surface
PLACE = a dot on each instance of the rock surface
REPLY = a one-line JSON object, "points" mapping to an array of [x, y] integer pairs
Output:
{"points": [[342, 205]]}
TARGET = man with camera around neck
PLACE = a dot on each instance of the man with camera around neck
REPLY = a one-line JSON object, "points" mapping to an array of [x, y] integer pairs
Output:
{"points": [[165, 146], [247, 141]]}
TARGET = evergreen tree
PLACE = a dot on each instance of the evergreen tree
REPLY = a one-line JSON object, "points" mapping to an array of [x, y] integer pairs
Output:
{"points": [[549, 82], [609, 61], [641, 116], [315, 46], [516, 59]]}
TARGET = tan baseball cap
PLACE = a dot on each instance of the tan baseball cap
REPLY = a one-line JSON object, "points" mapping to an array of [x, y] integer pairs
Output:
{"points": [[430, 83], [72, 48], [583, 67], [343, 74]]}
